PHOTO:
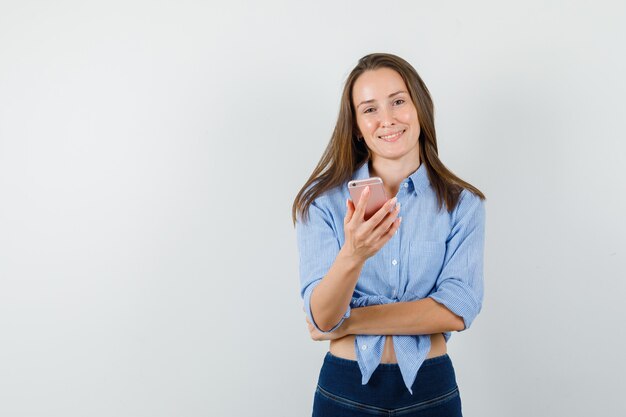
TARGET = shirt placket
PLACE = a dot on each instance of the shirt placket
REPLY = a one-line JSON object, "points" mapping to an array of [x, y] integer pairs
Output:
{"points": [[396, 247]]}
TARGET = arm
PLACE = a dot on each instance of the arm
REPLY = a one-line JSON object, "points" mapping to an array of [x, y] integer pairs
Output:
{"points": [[457, 297], [328, 273], [424, 316], [331, 296], [320, 265], [417, 317], [459, 286], [458, 293]]}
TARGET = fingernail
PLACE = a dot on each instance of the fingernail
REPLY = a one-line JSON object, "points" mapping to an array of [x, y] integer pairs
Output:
{"points": [[398, 206], [392, 204]]}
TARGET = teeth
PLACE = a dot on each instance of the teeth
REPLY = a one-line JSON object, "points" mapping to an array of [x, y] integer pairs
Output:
{"points": [[392, 135]]}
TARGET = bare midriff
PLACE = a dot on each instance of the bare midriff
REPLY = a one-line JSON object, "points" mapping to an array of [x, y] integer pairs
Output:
{"points": [[344, 348]]}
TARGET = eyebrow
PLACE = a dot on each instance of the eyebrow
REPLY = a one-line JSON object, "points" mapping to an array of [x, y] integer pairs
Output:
{"points": [[372, 100]]}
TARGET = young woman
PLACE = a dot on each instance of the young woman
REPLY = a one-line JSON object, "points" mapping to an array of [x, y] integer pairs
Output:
{"points": [[388, 291]]}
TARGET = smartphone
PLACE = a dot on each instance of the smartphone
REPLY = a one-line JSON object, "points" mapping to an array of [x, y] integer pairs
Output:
{"points": [[377, 197]]}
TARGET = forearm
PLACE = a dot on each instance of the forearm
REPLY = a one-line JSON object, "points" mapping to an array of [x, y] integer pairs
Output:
{"points": [[425, 316], [331, 297]]}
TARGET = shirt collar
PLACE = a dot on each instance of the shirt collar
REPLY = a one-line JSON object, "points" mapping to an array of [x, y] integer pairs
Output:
{"points": [[418, 181]]}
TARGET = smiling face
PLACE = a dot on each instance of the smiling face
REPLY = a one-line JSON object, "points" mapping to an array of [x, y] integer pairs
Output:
{"points": [[386, 116]]}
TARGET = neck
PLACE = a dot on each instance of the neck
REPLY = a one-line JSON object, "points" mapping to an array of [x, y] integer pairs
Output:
{"points": [[392, 172]]}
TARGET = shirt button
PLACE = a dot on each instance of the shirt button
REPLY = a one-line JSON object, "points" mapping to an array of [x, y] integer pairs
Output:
{"points": [[363, 347], [394, 262], [406, 185]]}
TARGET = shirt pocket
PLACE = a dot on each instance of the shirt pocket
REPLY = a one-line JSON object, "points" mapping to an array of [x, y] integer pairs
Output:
{"points": [[423, 267]]}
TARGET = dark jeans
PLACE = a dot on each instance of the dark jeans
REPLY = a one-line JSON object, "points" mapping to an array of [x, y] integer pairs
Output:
{"points": [[340, 393]]}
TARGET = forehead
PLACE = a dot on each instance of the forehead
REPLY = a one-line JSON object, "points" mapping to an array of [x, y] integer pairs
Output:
{"points": [[377, 85]]}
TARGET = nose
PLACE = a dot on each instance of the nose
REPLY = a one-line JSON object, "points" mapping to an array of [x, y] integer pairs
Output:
{"points": [[386, 117]]}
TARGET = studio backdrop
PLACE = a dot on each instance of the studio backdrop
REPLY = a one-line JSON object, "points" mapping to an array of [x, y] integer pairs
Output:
{"points": [[150, 153]]}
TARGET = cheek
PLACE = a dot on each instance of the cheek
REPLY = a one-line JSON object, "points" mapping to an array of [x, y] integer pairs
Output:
{"points": [[368, 125], [409, 117]]}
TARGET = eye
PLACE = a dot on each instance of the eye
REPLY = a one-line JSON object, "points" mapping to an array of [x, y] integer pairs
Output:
{"points": [[400, 99], [368, 110]]}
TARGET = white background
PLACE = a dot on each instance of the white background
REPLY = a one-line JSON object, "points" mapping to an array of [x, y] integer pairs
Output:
{"points": [[150, 152]]}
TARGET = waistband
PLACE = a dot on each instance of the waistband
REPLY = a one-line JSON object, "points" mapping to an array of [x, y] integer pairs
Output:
{"points": [[386, 387], [336, 360]]}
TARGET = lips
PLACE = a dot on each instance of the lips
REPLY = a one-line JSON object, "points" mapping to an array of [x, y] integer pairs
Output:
{"points": [[392, 137]]}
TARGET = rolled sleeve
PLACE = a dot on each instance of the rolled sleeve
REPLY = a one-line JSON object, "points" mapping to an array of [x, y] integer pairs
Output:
{"points": [[459, 285], [318, 246]]}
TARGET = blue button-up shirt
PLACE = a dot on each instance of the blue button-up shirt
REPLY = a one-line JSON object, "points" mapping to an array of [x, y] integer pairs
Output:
{"points": [[434, 254]]}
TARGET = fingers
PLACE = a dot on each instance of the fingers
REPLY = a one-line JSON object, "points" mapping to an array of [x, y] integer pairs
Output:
{"points": [[349, 211], [383, 211], [387, 222], [367, 237], [362, 204], [388, 233], [393, 229]]}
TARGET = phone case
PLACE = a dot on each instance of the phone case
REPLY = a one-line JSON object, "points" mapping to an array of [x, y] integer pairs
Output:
{"points": [[377, 197]]}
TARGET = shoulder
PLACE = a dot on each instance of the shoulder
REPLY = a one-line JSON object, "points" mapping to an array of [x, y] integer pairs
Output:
{"points": [[469, 204], [331, 197], [329, 205]]}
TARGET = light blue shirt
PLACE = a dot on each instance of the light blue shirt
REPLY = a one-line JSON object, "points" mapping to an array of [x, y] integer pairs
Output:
{"points": [[434, 254]]}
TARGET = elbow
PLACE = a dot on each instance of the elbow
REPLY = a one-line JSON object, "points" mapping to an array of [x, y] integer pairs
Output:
{"points": [[457, 323], [453, 322], [454, 319], [321, 325], [322, 319], [461, 305], [326, 326], [464, 322], [315, 318]]}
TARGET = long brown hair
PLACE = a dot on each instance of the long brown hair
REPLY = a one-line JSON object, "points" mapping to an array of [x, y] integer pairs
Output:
{"points": [[345, 153]]}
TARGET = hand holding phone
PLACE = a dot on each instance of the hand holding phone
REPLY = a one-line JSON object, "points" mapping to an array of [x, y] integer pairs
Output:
{"points": [[371, 219]]}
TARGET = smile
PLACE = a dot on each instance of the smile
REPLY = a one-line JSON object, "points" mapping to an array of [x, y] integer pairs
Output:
{"points": [[393, 137]]}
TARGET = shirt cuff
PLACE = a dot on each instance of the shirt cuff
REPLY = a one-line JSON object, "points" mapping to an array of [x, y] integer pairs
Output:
{"points": [[307, 309], [459, 300]]}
